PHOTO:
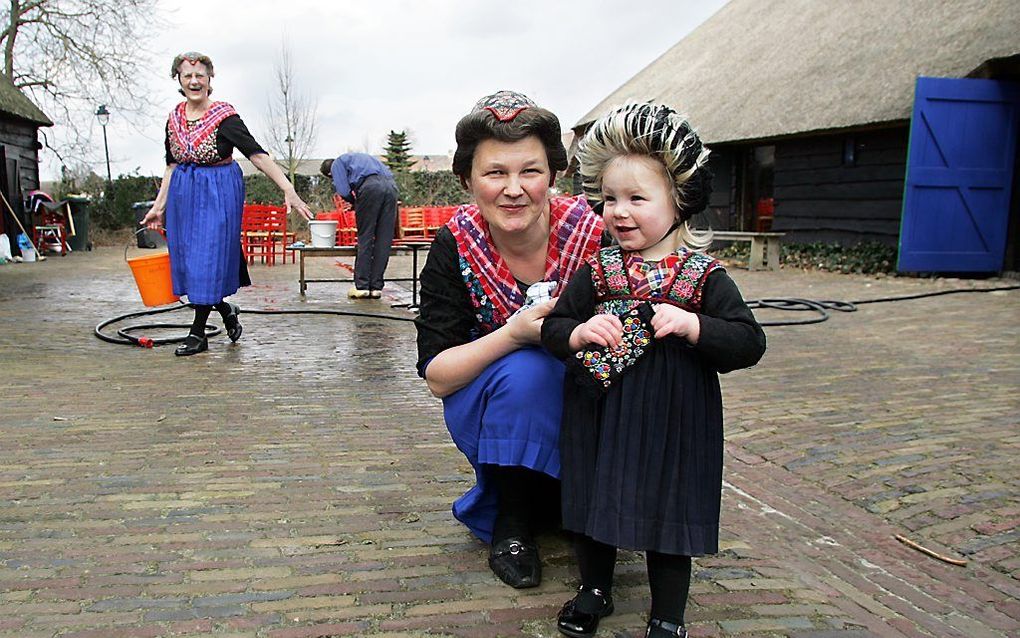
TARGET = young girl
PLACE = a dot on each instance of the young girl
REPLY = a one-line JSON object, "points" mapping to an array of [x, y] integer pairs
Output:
{"points": [[642, 456]]}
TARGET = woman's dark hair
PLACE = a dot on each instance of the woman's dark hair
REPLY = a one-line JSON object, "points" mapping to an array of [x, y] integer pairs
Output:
{"points": [[482, 125]]}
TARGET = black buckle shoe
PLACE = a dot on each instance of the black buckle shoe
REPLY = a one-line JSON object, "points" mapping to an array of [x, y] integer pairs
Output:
{"points": [[193, 344], [664, 629], [516, 563], [573, 622], [232, 324]]}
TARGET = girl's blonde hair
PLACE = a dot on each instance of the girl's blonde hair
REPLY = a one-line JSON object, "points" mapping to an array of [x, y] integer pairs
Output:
{"points": [[656, 131]]}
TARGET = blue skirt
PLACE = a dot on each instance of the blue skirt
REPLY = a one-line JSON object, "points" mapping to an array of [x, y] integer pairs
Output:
{"points": [[509, 415], [203, 231]]}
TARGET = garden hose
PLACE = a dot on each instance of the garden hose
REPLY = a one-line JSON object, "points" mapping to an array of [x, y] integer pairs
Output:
{"points": [[125, 337], [820, 308]]}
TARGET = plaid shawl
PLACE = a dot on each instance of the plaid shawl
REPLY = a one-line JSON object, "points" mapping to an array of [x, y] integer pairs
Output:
{"points": [[190, 138], [575, 232]]}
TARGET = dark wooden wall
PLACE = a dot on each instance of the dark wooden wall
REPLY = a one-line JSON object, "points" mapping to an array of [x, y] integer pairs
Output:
{"points": [[721, 214], [821, 194], [21, 142]]}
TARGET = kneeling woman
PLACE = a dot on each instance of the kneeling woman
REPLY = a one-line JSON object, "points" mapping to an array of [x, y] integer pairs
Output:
{"points": [[478, 345], [202, 196]]}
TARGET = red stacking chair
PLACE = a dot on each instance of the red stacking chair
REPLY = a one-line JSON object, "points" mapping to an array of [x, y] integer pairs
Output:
{"points": [[412, 224], [263, 229], [256, 238]]}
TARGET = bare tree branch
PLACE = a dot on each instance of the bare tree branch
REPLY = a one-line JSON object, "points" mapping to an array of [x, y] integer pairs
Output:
{"points": [[69, 56], [290, 117]]}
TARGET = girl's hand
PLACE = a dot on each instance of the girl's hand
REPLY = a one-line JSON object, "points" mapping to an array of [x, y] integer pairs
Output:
{"points": [[670, 320], [603, 330], [526, 328], [153, 220], [292, 201]]}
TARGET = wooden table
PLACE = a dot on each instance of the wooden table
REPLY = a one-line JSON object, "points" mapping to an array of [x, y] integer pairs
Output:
{"points": [[352, 251]]}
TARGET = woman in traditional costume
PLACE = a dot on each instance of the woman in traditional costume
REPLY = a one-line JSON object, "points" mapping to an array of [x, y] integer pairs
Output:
{"points": [[486, 288], [202, 196]]}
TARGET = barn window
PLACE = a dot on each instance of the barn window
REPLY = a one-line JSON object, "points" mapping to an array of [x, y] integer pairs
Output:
{"points": [[850, 152]]}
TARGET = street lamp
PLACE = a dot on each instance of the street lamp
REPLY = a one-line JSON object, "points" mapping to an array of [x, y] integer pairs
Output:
{"points": [[103, 116], [291, 164]]}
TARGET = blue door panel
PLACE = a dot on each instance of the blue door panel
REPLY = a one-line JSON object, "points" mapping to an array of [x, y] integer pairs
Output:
{"points": [[956, 198]]}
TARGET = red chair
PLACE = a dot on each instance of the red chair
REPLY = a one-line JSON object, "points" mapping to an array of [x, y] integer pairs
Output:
{"points": [[412, 224], [51, 234], [436, 217], [765, 211], [263, 228]]}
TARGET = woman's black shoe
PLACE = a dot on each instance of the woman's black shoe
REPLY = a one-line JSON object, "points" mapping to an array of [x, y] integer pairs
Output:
{"points": [[232, 324], [516, 563], [663, 629], [572, 621], [193, 344]]}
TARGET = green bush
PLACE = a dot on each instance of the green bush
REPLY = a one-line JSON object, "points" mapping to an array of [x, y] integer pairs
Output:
{"points": [[110, 205], [430, 188], [866, 258]]}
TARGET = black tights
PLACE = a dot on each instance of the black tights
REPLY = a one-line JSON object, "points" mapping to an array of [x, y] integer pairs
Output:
{"points": [[669, 576], [524, 498], [202, 316]]}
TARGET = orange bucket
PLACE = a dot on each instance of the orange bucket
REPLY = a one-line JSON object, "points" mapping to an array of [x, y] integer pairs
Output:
{"points": [[152, 274]]}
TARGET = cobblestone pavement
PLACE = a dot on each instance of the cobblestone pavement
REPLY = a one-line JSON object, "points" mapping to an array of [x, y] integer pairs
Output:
{"points": [[298, 483]]}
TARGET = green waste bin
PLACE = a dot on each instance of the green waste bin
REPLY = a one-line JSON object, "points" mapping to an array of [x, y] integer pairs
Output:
{"points": [[80, 213]]}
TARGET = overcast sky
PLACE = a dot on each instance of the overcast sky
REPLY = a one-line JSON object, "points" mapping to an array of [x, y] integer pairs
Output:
{"points": [[417, 65]]}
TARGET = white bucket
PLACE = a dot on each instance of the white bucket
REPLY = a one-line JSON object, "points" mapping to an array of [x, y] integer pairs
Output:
{"points": [[323, 233], [28, 254]]}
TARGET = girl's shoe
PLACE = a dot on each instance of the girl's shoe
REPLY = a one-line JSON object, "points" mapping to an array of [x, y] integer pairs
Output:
{"points": [[355, 293], [663, 629], [232, 324], [375, 294], [193, 344], [573, 622]]}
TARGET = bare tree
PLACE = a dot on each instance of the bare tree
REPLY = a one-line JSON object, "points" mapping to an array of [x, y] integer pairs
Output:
{"points": [[290, 117], [71, 55]]}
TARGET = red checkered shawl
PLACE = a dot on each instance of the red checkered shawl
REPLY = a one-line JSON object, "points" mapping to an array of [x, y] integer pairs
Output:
{"points": [[575, 233], [189, 138]]}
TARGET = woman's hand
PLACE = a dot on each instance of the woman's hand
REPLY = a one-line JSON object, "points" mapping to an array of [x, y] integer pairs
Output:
{"points": [[153, 219], [293, 201], [603, 330], [526, 328], [670, 320]]}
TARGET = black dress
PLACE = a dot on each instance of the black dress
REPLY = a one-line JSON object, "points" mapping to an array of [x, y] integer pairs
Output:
{"points": [[642, 462]]}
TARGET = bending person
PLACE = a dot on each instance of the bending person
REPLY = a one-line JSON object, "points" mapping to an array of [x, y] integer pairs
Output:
{"points": [[202, 196], [367, 184], [482, 308]]}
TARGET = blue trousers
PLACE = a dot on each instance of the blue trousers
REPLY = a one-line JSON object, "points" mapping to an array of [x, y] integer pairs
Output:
{"points": [[509, 415]]}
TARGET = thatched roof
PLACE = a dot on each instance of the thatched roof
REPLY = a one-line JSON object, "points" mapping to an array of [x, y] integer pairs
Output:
{"points": [[760, 69], [14, 102]]}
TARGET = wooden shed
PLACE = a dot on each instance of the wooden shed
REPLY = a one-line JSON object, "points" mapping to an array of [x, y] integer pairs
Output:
{"points": [[807, 107], [20, 120]]}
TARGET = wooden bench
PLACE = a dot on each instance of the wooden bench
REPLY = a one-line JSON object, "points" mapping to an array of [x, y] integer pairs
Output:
{"points": [[764, 247]]}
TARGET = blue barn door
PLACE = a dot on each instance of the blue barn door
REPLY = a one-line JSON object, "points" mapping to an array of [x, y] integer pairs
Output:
{"points": [[956, 199]]}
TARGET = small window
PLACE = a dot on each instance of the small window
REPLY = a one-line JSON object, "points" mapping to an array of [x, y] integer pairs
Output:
{"points": [[849, 152]]}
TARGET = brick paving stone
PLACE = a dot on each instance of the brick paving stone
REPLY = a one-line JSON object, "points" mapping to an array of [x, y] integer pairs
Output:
{"points": [[299, 482]]}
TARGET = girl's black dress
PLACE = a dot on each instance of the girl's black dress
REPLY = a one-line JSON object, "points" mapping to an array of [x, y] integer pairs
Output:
{"points": [[642, 462]]}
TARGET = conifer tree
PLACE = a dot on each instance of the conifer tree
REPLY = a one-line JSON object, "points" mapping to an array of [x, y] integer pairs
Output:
{"points": [[398, 152]]}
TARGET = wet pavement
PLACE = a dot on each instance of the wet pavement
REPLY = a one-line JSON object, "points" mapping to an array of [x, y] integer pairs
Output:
{"points": [[298, 483]]}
